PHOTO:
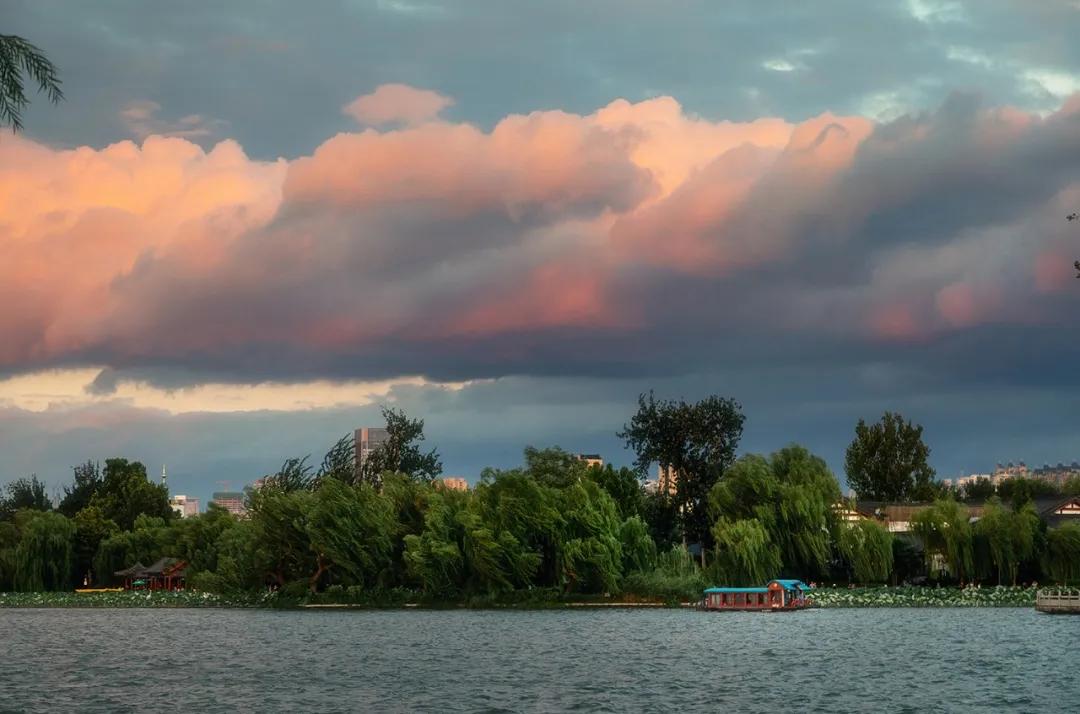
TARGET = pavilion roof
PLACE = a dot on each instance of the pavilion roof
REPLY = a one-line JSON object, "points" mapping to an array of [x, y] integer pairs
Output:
{"points": [[134, 570]]}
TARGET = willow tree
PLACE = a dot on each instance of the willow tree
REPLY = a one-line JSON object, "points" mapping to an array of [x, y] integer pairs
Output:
{"points": [[1061, 558], [790, 494], [1009, 537], [745, 553], [19, 60], [945, 532], [350, 532], [45, 554], [867, 549]]}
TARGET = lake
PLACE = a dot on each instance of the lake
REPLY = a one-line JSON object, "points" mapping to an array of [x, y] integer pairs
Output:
{"points": [[901, 660]]}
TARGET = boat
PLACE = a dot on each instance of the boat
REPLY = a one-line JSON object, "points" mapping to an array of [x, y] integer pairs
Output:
{"points": [[777, 596]]}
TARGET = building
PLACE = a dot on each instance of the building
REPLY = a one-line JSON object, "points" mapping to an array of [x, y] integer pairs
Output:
{"points": [[183, 506], [367, 440], [454, 483], [231, 501], [591, 459], [667, 479]]}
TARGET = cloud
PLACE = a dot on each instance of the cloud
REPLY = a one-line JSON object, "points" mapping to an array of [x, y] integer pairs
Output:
{"points": [[634, 240], [141, 117], [391, 103]]}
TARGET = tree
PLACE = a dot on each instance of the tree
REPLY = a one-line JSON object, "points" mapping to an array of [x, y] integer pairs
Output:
{"points": [[623, 486], [554, 467], [980, 489], [24, 494], [945, 532], [400, 453], [1009, 536], [126, 493], [887, 461], [1061, 558], [350, 530], [43, 557], [294, 475], [19, 57], [867, 549], [790, 495], [91, 528], [340, 461], [696, 441], [87, 482]]}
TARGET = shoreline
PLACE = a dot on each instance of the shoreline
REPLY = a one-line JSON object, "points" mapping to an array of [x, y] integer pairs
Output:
{"points": [[822, 598]]}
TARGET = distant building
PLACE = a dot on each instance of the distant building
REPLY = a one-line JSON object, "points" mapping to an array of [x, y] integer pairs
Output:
{"points": [[454, 483], [183, 506], [667, 479], [591, 459], [367, 440], [231, 501], [1057, 475]]}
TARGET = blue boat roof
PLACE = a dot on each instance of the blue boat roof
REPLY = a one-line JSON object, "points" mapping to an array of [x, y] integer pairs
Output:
{"points": [[792, 584], [786, 584]]}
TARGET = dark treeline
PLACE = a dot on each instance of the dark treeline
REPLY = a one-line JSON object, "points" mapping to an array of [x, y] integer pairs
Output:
{"points": [[555, 526]]}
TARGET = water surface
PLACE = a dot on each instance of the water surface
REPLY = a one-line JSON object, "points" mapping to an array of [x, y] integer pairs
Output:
{"points": [[902, 660]]}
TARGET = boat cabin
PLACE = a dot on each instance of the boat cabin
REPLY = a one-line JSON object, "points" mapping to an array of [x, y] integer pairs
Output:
{"points": [[777, 595]]}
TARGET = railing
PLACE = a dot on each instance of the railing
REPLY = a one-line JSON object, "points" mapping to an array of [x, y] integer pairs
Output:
{"points": [[1058, 600]]}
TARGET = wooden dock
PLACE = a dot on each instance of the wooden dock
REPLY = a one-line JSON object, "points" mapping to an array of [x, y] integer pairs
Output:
{"points": [[1058, 601]]}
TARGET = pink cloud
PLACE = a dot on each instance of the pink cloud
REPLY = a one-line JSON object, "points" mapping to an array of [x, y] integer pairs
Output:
{"points": [[637, 218], [397, 103]]}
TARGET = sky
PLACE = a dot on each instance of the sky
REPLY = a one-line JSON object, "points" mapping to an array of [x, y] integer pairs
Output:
{"points": [[249, 225]]}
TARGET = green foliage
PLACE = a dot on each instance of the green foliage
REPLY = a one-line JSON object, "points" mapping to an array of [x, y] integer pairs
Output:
{"points": [[623, 485], [91, 528], [294, 475], [745, 554], [867, 549], [340, 461], [45, 552], [887, 461], [401, 452], [945, 532], [126, 493], [350, 530], [788, 500], [19, 57], [1009, 537], [24, 494], [1061, 558], [1020, 491], [88, 480], [698, 441], [554, 467]]}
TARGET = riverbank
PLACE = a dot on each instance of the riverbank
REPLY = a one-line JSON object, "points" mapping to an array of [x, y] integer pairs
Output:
{"points": [[875, 597]]}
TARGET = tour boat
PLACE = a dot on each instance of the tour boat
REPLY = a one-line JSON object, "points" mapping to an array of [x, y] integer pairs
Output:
{"points": [[778, 595]]}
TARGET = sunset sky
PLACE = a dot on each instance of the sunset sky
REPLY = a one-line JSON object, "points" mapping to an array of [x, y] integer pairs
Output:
{"points": [[249, 224]]}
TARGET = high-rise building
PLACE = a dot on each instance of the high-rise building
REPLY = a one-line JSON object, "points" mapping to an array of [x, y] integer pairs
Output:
{"points": [[591, 459], [231, 501], [183, 506], [367, 440], [667, 479]]}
